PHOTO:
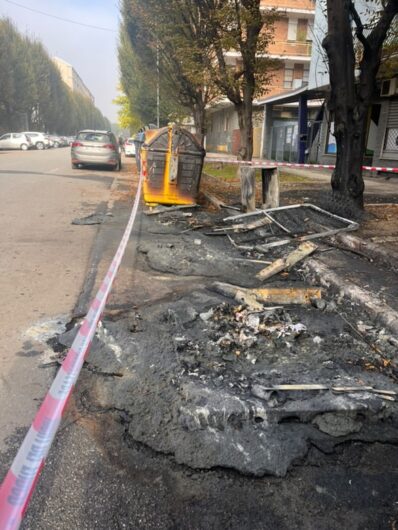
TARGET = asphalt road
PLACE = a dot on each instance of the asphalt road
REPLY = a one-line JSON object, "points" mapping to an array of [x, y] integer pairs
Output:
{"points": [[43, 262]]}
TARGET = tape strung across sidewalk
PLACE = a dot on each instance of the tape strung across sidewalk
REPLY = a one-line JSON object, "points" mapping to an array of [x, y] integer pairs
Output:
{"points": [[20, 482], [269, 163]]}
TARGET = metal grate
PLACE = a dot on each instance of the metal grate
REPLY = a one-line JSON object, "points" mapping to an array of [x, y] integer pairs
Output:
{"points": [[391, 141], [297, 222]]}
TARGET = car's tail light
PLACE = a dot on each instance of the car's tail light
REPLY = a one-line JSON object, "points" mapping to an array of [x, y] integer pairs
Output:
{"points": [[77, 144], [110, 146]]}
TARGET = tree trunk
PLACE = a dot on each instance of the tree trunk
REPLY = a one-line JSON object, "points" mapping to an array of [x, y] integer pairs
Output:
{"points": [[199, 117], [245, 120], [347, 177], [349, 119], [247, 176]]}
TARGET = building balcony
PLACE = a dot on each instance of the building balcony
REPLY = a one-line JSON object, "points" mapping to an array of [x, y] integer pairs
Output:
{"points": [[291, 48], [299, 52], [290, 6]]}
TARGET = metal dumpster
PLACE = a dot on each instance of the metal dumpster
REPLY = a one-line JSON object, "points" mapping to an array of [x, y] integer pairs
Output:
{"points": [[171, 163]]}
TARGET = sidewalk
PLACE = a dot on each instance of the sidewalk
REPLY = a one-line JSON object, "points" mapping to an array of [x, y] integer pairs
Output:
{"points": [[384, 185], [373, 184]]}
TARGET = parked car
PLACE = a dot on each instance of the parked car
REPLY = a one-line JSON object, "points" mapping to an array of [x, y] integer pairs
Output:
{"points": [[96, 148], [15, 141], [49, 140], [56, 140], [129, 147], [39, 140]]}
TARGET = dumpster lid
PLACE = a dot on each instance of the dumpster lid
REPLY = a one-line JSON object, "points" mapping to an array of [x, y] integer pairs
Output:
{"points": [[186, 141]]}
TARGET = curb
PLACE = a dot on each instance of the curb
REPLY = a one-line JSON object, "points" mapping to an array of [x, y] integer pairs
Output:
{"points": [[370, 250], [376, 309]]}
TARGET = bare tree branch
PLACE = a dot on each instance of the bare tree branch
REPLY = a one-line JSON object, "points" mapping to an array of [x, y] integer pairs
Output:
{"points": [[359, 26]]}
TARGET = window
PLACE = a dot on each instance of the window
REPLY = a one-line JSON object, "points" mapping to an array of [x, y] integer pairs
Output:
{"points": [[296, 75], [289, 71], [292, 29], [391, 139], [298, 30], [310, 30], [302, 29], [94, 137], [306, 74], [5, 137], [17, 135]]}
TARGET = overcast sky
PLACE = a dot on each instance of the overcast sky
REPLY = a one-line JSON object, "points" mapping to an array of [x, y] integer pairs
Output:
{"points": [[92, 52]]}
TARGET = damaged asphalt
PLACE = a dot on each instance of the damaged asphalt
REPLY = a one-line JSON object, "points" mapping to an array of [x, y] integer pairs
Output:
{"points": [[175, 422]]}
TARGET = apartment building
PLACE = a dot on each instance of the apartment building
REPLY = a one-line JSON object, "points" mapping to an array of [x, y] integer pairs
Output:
{"points": [[305, 133], [71, 78], [292, 44], [292, 47]]}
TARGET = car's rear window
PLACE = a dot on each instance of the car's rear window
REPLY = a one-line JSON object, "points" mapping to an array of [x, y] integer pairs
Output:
{"points": [[130, 141], [94, 137]]}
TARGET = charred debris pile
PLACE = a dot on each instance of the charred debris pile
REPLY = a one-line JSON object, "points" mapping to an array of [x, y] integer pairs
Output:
{"points": [[250, 364]]}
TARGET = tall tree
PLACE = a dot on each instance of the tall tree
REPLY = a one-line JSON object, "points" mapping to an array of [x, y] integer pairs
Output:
{"points": [[32, 93], [181, 36], [195, 39], [351, 95], [126, 119], [241, 29], [166, 37], [138, 73]]}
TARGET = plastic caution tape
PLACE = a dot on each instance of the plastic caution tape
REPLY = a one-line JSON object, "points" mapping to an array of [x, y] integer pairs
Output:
{"points": [[269, 163], [20, 482]]}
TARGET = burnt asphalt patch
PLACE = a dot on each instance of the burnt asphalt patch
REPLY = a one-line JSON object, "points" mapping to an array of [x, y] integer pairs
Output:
{"points": [[198, 386], [198, 369]]}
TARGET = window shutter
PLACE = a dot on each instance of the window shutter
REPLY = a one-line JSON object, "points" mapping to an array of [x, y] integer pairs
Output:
{"points": [[393, 114], [292, 29]]}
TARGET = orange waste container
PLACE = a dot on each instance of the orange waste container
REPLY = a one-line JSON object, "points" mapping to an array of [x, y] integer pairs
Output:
{"points": [[171, 163]]}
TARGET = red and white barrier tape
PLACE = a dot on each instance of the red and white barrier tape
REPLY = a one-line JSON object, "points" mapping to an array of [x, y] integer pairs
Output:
{"points": [[20, 482], [268, 163]]}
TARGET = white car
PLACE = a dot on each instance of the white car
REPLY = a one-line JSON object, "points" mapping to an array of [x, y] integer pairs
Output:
{"points": [[15, 141], [38, 140], [129, 147]]}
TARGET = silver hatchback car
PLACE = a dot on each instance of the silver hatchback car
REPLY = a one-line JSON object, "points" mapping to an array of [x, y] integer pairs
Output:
{"points": [[96, 148], [15, 141]]}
